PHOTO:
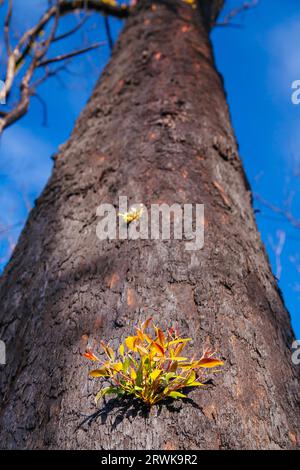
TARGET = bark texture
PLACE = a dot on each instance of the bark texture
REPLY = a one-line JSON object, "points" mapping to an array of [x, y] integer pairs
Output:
{"points": [[156, 129]]}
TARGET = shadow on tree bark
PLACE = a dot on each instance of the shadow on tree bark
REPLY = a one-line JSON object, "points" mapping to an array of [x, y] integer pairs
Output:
{"points": [[130, 408]]}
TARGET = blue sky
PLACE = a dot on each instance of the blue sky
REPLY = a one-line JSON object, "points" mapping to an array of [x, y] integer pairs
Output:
{"points": [[259, 61]]}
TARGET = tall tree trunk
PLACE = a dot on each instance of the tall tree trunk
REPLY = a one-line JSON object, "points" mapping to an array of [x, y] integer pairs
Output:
{"points": [[156, 129]]}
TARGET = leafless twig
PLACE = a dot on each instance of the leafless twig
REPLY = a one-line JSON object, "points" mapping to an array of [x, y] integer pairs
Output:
{"points": [[286, 212], [31, 50], [227, 21]]}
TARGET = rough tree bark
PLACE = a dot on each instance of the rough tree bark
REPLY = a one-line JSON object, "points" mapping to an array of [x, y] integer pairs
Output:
{"points": [[156, 129]]}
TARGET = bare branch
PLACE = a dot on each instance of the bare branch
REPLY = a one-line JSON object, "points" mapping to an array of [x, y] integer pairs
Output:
{"points": [[73, 30], [31, 46], [286, 212], [69, 54], [277, 248], [235, 12], [108, 33], [7, 25]]}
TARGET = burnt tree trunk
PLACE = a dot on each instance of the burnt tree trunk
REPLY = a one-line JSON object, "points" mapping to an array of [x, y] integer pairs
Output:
{"points": [[156, 129]]}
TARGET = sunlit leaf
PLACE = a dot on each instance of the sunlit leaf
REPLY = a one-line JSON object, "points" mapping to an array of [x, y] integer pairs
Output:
{"points": [[122, 350], [154, 374], [142, 350], [160, 336], [99, 372], [179, 348], [118, 366], [140, 335], [108, 350], [91, 356], [130, 342], [209, 362], [195, 384], [158, 349], [180, 340], [146, 323], [176, 395], [151, 367]]}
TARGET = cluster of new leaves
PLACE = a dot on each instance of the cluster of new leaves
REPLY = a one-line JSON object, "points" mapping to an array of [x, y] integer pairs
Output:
{"points": [[151, 368]]}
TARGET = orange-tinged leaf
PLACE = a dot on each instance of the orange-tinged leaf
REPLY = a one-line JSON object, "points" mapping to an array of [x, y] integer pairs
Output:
{"points": [[140, 335], [161, 336], [147, 338], [158, 349], [108, 350], [146, 323], [142, 350], [208, 362], [179, 348], [91, 356]]}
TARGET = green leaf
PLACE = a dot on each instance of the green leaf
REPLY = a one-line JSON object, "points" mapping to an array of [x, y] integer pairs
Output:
{"points": [[126, 364], [169, 376], [106, 391], [176, 395], [191, 378], [139, 375]]}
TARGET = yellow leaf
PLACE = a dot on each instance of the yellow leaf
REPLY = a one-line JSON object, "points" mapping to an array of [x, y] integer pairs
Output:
{"points": [[181, 340], [118, 366], [133, 374], [130, 342], [154, 374], [121, 350], [99, 372]]}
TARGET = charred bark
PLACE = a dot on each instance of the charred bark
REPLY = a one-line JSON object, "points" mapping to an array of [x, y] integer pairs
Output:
{"points": [[156, 129]]}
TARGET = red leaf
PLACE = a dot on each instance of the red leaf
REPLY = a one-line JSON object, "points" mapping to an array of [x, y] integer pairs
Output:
{"points": [[90, 355]]}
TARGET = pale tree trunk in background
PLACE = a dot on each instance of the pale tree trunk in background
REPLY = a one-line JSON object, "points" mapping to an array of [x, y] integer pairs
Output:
{"points": [[156, 129]]}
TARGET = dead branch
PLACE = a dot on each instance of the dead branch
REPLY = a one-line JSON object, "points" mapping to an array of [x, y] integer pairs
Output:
{"points": [[227, 21], [285, 212], [31, 47], [69, 55]]}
